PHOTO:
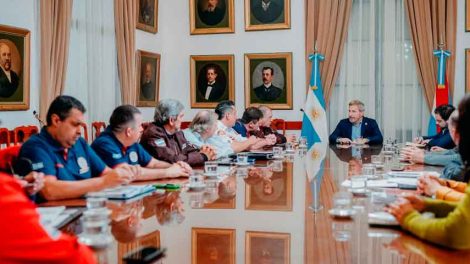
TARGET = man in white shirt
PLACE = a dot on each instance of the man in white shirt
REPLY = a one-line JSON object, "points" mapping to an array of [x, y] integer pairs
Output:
{"points": [[9, 80]]}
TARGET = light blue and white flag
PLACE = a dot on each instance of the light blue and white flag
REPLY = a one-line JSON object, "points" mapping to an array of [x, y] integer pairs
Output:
{"points": [[314, 123]]}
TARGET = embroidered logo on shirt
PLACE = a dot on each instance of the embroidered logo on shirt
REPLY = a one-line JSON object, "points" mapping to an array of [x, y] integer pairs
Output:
{"points": [[117, 155], [133, 156], [160, 142], [83, 164]]}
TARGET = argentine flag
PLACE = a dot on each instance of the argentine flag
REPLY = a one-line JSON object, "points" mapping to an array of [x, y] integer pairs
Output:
{"points": [[314, 124], [442, 94]]}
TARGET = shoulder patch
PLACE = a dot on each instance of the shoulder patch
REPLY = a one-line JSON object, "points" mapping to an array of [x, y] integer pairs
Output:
{"points": [[160, 142], [117, 155]]}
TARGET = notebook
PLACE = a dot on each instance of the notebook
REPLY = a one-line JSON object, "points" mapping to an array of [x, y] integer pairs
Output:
{"points": [[124, 192]]}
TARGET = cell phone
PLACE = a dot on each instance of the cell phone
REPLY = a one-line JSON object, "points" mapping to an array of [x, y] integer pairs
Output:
{"points": [[144, 255], [407, 186]]}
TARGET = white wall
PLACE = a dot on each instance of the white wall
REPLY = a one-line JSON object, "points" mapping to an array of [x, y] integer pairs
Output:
{"points": [[175, 44], [463, 42], [23, 14]]}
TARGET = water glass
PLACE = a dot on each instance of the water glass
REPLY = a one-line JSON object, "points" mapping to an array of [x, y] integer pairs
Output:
{"points": [[275, 165], [277, 152], [368, 170], [196, 179], [289, 147], [95, 202], [342, 200], [359, 184], [341, 230], [389, 149], [210, 168], [378, 161], [196, 200], [302, 142], [242, 158], [96, 228]]}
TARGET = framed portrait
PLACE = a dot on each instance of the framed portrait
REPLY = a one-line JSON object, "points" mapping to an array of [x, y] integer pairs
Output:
{"points": [[267, 247], [151, 239], [212, 245], [467, 70], [271, 193], [467, 15], [148, 78], [14, 68], [211, 16], [268, 80], [212, 80], [267, 14], [147, 15]]}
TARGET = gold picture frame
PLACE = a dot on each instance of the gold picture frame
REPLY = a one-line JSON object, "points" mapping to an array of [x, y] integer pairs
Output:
{"points": [[212, 244], [15, 86], [467, 15], [147, 15], [467, 70], [222, 87], [271, 194], [275, 15], [148, 78], [280, 92], [205, 19], [267, 246]]}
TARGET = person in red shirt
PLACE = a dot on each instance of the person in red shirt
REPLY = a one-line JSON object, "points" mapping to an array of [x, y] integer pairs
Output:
{"points": [[24, 240]]}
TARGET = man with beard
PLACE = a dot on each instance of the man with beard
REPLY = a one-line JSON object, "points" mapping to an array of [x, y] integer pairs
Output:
{"points": [[9, 80], [212, 14], [267, 91], [148, 87]]}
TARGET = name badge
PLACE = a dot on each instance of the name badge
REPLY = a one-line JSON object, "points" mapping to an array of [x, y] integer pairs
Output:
{"points": [[117, 155], [160, 142], [83, 164]]}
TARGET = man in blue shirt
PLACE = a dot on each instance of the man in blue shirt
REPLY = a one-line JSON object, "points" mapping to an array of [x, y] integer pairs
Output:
{"points": [[118, 144], [70, 166], [356, 128], [249, 124]]}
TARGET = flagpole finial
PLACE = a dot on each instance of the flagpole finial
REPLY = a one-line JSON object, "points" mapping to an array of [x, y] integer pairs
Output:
{"points": [[315, 48], [441, 44]]}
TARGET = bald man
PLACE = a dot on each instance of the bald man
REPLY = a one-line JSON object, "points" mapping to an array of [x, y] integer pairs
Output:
{"points": [[148, 86], [9, 80]]}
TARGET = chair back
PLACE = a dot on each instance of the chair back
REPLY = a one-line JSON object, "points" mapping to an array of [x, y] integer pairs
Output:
{"points": [[23, 133], [5, 139], [97, 128]]}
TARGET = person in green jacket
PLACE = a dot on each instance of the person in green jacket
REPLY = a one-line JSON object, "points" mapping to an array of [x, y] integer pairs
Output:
{"points": [[451, 226]]}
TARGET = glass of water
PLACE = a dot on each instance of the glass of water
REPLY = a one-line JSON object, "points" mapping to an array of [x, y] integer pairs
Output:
{"points": [[277, 152], [359, 184], [342, 200], [95, 202], [242, 158], [289, 147], [378, 161], [210, 168], [302, 142], [368, 170]]}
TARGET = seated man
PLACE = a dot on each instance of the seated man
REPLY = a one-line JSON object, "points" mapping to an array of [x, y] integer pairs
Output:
{"points": [[356, 128], [265, 126], [164, 140], [70, 166], [118, 144], [202, 130], [249, 125], [227, 115], [441, 139]]}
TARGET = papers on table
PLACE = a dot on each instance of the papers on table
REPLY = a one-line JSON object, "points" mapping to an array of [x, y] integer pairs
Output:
{"points": [[56, 217], [405, 174], [374, 183], [382, 218], [124, 192]]}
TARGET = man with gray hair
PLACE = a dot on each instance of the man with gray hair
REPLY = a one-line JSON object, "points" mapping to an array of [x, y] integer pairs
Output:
{"points": [[9, 80], [164, 140], [356, 129], [202, 130]]}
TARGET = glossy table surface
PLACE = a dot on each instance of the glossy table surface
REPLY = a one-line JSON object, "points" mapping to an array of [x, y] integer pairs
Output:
{"points": [[274, 212]]}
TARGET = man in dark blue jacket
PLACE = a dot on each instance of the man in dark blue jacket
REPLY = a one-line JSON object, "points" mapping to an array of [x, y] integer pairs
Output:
{"points": [[441, 139], [356, 128]]}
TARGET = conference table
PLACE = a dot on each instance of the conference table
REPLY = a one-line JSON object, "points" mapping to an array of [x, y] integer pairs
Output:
{"points": [[273, 212]]}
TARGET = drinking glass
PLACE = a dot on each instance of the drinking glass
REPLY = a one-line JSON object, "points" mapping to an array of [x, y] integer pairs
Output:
{"points": [[359, 184], [277, 152], [368, 170], [210, 168], [342, 200], [242, 158]]}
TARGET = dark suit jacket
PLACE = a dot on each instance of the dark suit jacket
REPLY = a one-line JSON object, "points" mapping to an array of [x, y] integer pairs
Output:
{"points": [[272, 94], [212, 18], [272, 13], [441, 139], [369, 130], [217, 91], [8, 88]]}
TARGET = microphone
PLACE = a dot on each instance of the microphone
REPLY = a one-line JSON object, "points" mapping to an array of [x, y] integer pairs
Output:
{"points": [[36, 115], [302, 110]]}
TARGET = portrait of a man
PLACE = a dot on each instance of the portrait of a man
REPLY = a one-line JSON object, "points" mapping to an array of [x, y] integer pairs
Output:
{"points": [[211, 16], [211, 80], [210, 245], [267, 91], [267, 247], [148, 76], [268, 80], [14, 68], [147, 15], [211, 86], [211, 12], [9, 79], [267, 11]]}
